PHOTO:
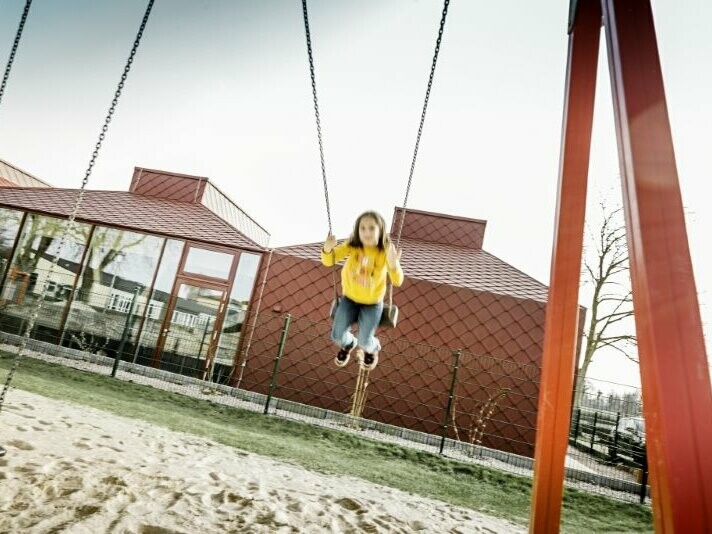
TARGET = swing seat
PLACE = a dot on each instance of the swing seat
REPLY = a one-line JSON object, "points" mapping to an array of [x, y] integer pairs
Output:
{"points": [[389, 316]]}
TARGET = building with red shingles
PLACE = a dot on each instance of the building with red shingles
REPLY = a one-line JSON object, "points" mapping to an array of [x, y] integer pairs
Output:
{"points": [[455, 296], [197, 266]]}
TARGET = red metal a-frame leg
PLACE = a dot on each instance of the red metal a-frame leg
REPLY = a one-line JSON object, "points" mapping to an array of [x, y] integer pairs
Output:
{"points": [[561, 328], [677, 396]]}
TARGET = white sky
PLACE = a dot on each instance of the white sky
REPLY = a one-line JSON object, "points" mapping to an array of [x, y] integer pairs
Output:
{"points": [[221, 88]]}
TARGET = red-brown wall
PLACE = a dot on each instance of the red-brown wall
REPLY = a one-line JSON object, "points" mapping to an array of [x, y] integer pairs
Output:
{"points": [[501, 337]]}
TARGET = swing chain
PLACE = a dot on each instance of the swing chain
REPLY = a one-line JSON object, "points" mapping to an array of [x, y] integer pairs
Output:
{"points": [[319, 137], [15, 44], [70, 225], [420, 133], [316, 111], [422, 119], [438, 42]]}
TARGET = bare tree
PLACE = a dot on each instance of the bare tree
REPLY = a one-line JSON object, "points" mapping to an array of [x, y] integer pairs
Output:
{"points": [[611, 302], [41, 233]]}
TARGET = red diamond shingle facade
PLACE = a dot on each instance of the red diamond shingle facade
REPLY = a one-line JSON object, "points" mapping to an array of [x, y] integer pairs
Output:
{"points": [[455, 296]]}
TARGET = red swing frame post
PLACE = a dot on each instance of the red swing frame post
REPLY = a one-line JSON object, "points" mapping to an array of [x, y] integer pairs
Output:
{"points": [[677, 395], [562, 313]]}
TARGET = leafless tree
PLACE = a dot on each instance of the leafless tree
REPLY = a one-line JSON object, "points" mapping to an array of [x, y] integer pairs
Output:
{"points": [[611, 301]]}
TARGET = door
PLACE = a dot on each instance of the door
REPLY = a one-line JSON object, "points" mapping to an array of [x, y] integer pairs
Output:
{"points": [[189, 334]]}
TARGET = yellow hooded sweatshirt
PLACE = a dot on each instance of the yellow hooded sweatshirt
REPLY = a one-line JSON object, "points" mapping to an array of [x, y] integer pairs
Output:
{"points": [[363, 276]]}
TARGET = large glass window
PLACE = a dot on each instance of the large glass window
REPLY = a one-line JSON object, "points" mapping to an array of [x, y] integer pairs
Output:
{"points": [[237, 308], [189, 333], [118, 269], [9, 226], [208, 263], [158, 301], [29, 272]]}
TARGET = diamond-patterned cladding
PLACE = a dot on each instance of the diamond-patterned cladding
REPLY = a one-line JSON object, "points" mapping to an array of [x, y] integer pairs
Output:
{"points": [[183, 220], [455, 296]]}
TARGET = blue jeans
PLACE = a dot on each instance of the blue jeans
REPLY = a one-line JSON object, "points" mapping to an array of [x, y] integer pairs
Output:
{"points": [[368, 316]]}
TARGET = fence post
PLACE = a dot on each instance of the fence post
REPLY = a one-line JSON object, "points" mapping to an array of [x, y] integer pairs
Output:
{"points": [[593, 429], [615, 432], [125, 333], [450, 398], [282, 342], [644, 478], [577, 421]]}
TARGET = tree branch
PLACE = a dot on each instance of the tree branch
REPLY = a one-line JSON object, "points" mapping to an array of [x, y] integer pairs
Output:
{"points": [[623, 352]]}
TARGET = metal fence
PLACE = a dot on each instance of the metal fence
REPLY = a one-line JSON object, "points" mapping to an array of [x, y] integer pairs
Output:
{"points": [[470, 407], [123, 321]]}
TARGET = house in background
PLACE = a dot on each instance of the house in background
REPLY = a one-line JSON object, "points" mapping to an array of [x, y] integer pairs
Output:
{"points": [[455, 296], [184, 269], [173, 247]]}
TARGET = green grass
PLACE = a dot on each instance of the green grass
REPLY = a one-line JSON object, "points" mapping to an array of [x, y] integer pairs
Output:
{"points": [[327, 451]]}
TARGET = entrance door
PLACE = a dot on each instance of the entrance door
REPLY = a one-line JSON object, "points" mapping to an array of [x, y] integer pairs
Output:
{"points": [[189, 335]]}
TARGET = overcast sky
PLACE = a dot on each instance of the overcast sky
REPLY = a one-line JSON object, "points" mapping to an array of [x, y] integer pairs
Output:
{"points": [[220, 88]]}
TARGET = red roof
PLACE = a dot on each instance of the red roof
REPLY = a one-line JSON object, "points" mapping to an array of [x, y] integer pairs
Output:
{"points": [[128, 210], [457, 266]]}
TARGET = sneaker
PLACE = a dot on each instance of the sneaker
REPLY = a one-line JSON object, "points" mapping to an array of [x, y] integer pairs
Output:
{"points": [[342, 357], [370, 360]]}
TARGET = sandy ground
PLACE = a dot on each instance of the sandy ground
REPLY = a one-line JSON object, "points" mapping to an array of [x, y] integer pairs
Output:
{"points": [[74, 469]]}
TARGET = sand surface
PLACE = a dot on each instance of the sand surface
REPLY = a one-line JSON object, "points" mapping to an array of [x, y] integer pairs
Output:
{"points": [[75, 469]]}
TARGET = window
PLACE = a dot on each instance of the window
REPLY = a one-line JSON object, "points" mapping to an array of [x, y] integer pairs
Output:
{"points": [[208, 263], [154, 310], [120, 303], [158, 300], [237, 307], [28, 271], [9, 226], [184, 319]]}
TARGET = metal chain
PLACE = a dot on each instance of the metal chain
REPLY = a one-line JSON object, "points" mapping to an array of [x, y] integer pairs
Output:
{"points": [[70, 225], [417, 141], [316, 112], [319, 137], [14, 48], [422, 118], [420, 133]]}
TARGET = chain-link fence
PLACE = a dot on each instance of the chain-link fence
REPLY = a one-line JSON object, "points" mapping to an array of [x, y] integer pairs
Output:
{"points": [[471, 407], [179, 336]]}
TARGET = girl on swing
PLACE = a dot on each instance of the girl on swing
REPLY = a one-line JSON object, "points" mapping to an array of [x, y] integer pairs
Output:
{"points": [[371, 255]]}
